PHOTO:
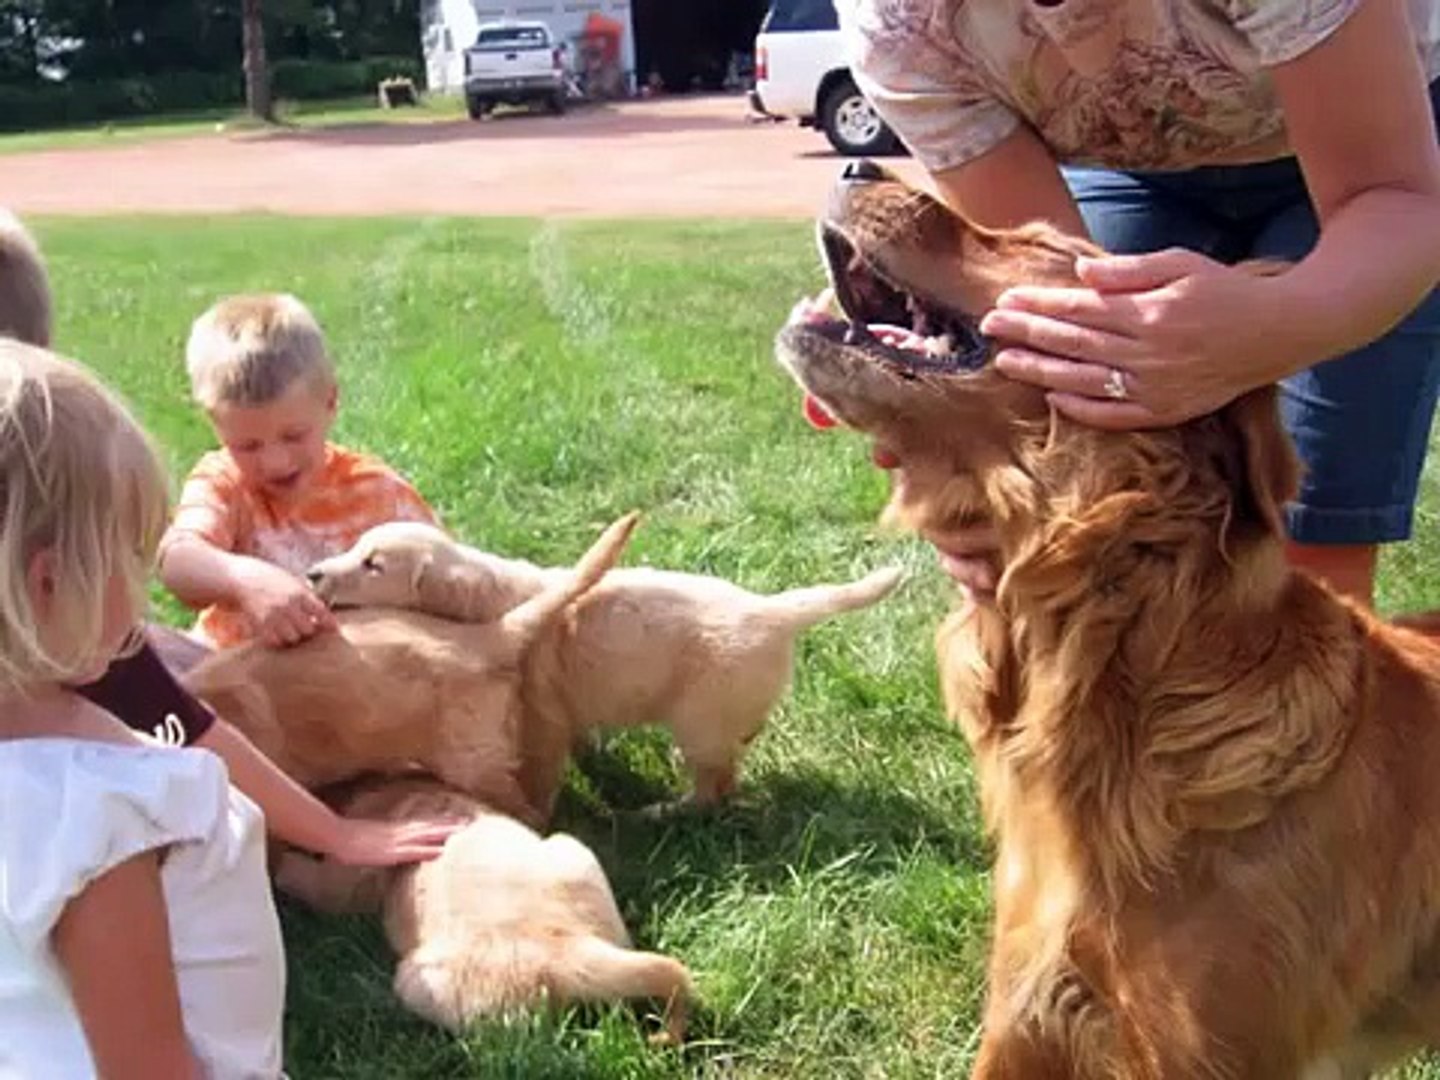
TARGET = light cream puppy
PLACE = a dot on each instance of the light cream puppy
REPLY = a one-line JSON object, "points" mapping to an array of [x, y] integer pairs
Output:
{"points": [[501, 921], [391, 689], [702, 656]]}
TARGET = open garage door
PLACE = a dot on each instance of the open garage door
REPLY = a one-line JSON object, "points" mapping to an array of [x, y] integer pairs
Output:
{"points": [[689, 42]]}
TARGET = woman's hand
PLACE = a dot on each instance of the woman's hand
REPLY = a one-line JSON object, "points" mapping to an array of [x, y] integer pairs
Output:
{"points": [[1145, 340]]}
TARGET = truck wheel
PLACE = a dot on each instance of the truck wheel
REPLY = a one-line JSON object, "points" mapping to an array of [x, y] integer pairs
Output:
{"points": [[478, 108], [851, 123]]}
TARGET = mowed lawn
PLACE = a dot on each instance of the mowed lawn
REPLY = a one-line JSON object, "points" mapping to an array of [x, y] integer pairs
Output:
{"points": [[536, 380]]}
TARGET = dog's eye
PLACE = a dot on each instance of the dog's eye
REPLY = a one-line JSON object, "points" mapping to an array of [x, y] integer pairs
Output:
{"points": [[371, 565]]}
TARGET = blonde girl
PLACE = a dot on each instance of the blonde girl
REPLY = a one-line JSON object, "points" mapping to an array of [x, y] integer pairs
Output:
{"points": [[137, 932]]}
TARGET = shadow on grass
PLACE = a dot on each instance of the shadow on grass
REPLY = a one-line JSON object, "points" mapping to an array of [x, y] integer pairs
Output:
{"points": [[780, 829], [776, 828]]}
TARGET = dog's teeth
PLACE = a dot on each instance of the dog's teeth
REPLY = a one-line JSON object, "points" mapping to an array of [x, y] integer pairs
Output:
{"points": [[944, 345], [852, 334]]}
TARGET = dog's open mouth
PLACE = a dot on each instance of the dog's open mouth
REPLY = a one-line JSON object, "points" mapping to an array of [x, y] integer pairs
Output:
{"points": [[908, 332]]}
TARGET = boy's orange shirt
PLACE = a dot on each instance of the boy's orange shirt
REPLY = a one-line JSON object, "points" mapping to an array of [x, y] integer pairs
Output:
{"points": [[352, 493]]}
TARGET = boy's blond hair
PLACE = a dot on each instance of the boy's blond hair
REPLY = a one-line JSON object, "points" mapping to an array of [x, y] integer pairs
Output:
{"points": [[79, 478], [249, 350], [25, 310]]}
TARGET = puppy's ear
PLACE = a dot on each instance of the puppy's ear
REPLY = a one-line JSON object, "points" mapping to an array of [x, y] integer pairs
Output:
{"points": [[1266, 472]]}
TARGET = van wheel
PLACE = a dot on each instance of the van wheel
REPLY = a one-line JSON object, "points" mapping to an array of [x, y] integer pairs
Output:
{"points": [[851, 123]]}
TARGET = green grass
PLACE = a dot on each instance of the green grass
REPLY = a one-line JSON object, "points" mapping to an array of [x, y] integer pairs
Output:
{"points": [[292, 115], [536, 380]]}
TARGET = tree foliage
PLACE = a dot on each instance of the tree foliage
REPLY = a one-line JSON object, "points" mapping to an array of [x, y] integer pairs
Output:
{"points": [[113, 39]]}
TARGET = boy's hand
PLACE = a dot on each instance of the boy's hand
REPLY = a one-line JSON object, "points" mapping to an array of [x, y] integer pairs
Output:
{"points": [[282, 607], [360, 842]]}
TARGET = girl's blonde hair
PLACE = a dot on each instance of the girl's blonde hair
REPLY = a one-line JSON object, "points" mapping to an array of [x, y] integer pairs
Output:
{"points": [[80, 478]]}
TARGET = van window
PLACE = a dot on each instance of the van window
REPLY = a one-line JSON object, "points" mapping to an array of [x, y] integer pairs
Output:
{"points": [[786, 15]]}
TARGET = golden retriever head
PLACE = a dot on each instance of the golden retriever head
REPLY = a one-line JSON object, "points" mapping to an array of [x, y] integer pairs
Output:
{"points": [[406, 564], [906, 365]]}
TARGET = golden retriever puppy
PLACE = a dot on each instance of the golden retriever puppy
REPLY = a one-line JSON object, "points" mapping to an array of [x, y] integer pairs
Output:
{"points": [[502, 920], [700, 655], [1212, 781], [394, 689]]}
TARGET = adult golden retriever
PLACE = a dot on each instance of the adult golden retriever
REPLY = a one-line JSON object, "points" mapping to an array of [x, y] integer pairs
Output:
{"points": [[1213, 783], [701, 655], [394, 689], [501, 921]]}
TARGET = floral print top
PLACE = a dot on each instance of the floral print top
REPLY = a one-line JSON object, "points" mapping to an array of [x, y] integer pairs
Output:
{"points": [[1128, 84]]}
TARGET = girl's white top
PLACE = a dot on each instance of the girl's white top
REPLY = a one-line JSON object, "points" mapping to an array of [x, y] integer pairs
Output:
{"points": [[72, 809]]}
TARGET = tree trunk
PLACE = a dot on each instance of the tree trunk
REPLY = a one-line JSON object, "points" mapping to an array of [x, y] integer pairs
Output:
{"points": [[257, 70]]}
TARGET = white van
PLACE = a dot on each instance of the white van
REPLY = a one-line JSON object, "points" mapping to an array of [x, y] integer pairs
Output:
{"points": [[800, 72]]}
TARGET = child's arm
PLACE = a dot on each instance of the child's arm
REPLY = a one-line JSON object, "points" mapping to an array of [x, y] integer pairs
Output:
{"points": [[295, 816], [113, 943], [145, 695], [201, 564], [282, 608]]}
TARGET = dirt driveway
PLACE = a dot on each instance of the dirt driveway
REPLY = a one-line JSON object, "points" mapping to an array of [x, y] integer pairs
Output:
{"points": [[677, 157]]}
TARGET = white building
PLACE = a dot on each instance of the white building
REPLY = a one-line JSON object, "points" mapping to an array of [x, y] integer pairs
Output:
{"points": [[448, 27]]}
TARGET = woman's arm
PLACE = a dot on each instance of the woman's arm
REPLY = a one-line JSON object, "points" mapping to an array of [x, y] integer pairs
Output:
{"points": [[1360, 122], [113, 943], [1015, 182], [1190, 334]]}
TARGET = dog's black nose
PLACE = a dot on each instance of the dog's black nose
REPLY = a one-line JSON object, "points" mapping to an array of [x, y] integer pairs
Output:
{"points": [[862, 171], [314, 577]]}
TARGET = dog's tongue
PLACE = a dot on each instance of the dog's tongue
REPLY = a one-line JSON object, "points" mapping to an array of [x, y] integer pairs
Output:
{"points": [[816, 414]]}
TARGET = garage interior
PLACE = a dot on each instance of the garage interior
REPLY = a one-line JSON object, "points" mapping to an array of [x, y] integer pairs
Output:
{"points": [[689, 44]]}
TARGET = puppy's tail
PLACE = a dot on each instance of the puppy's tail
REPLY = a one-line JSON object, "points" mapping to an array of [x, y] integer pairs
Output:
{"points": [[454, 987], [524, 623], [592, 969], [800, 608]]}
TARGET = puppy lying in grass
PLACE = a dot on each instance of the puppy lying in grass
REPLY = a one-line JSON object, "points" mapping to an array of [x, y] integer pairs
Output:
{"points": [[501, 921], [700, 655], [391, 690]]}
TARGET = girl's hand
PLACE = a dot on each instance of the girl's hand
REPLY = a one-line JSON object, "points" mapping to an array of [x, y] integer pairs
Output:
{"points": [[360, 842], [1147, 340]]}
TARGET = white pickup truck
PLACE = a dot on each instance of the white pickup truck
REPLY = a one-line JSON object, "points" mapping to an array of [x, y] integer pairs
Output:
{"points": [[514, 63]]}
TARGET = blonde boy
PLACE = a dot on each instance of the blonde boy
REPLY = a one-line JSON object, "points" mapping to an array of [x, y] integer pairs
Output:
{"points": [[278, 497]]}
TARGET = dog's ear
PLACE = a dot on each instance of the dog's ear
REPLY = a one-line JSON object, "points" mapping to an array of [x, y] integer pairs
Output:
{"points": [[1266, 472]]}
